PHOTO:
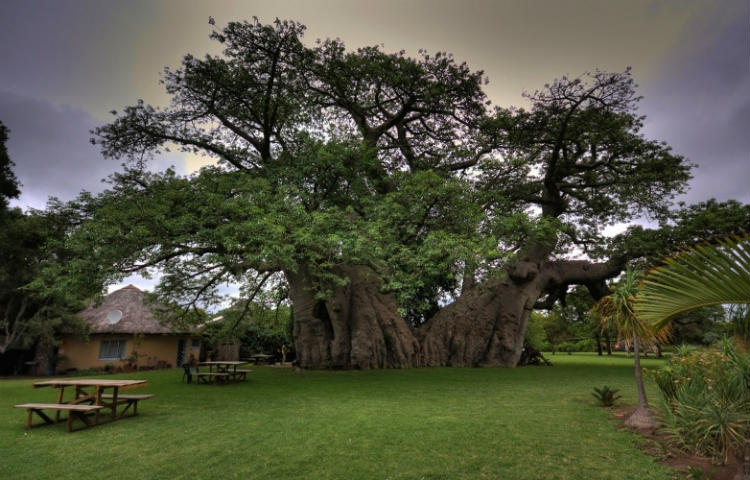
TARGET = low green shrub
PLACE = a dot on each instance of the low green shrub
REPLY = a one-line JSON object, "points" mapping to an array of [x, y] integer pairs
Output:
{"points": [[566, 347], [705, 400], [586, 345], [606, 396], [546, 346]]}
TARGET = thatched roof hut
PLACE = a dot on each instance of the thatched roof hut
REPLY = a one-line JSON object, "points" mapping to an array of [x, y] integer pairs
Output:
{"points": [[137, 315], [124, 332]]}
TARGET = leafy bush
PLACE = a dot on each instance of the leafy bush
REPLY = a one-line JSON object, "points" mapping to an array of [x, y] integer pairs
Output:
{"points": [[546, 347], [705, 400], [606, 396], [586, 345]]}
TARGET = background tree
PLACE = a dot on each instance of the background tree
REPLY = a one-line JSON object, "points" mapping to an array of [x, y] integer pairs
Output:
{"points": [[578, 161], [29, 242], [557, 330], [258, 328], [702, 326], [28, 315], [8, 180]]}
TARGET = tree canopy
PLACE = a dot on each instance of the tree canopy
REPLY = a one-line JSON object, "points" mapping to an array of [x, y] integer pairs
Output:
{"points": [[380, 187]]}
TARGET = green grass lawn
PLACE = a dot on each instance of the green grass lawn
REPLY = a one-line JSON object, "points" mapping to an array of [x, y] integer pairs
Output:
{"points": [[433, 423]]}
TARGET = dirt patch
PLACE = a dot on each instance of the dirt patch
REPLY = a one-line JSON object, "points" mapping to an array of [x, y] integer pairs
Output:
{"points": [[656, 445]]}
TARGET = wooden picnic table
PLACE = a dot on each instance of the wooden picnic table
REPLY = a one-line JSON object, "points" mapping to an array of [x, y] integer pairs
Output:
{"points": [[261, 357], [225, 370], [89, 391]]}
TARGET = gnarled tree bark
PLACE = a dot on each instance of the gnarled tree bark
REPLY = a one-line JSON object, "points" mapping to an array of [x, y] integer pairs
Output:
{"points": [[487, 324], [358, 326], [355, 327]]}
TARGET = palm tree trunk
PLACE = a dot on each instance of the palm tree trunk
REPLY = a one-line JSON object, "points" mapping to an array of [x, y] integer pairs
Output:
{"points": [[642, 401], [642, 417]]}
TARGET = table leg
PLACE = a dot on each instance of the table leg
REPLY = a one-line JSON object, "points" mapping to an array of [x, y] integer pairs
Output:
{"points": [[97, 401], [59, 400], [114, 403]]}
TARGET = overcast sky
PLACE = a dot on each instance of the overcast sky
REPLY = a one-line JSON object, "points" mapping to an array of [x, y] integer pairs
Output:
{"points": [[65, 63]]}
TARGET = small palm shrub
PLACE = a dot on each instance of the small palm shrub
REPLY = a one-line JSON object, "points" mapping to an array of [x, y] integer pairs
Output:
{"points": [[705, 400], [606, 396]]}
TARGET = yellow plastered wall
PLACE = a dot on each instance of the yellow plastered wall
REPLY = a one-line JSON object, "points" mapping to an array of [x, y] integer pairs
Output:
{"points": [[152, 351]]}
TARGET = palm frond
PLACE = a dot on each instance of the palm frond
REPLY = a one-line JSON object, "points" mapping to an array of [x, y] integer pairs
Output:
{"points": [[707, 274]]}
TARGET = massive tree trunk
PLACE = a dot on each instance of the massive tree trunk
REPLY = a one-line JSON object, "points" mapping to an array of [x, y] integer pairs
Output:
{"points": [[487, 324], [356, 326]]}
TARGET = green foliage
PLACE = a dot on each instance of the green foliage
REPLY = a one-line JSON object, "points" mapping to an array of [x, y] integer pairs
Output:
{"points": [[585, 345], [29, 244], [705, 275], [606, 396], [257, 328], [697, 473], [316, 169], [702, 326], [705, 396], [556, 329], [535, 334], [617, 310], [28, 312], [428, 229], [578, 136], [739, 320], [8, 180], [685, 227], [331, 157]]}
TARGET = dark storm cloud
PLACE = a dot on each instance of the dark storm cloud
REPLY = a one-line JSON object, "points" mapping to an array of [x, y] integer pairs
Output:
{"points": [[701, 107], [52, 152], [50, 147]]}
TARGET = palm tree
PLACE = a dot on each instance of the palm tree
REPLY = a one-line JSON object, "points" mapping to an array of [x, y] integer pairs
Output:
{"points": [[708, 274], [617, 310]]}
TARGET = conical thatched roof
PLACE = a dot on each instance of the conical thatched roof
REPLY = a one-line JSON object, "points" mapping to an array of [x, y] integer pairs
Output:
{"points": [[137, 316]]}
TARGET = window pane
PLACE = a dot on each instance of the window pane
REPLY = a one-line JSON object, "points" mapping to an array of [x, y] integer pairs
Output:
{"points": [[112, 350]]}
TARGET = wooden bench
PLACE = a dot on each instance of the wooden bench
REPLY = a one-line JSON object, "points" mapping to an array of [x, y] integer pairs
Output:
{"points": [[131, 399], [206, 377], [78, 411]]}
